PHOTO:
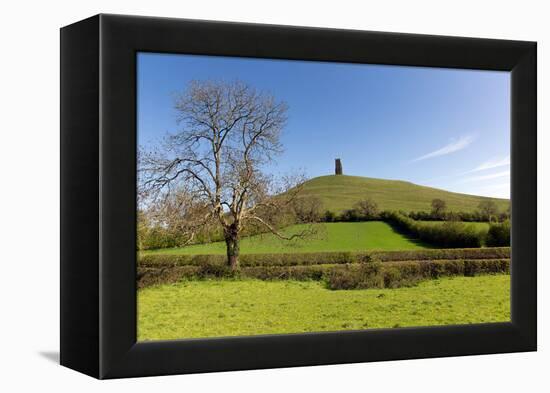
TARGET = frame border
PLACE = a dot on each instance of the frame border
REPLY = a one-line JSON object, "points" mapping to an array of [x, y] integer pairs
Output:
{"points": [[98, 171]]}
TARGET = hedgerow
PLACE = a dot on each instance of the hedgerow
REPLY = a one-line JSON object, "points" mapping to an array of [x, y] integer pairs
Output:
{"points": [[324, 258], [148, 276], [475, 216], [164, 275], [458, 267], [300, 273], [452, 234], [373, 274], [499, 234], [359, 276], [443, 253], [152, 260], [249, 260], [408, 273]]}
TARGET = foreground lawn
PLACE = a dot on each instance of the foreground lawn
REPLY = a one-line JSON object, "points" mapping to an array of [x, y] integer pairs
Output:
{"points": [[341, 236], [239, 308]]}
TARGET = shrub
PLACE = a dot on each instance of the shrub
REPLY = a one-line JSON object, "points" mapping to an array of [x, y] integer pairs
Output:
{"points": [[342, 279], [438, 207], [499, 234], [307, 209], [167, 275], [300, 273], [350, 215], [209, 269], [489, 266], [367, 275], [151, 238], [398, 277], [367, 208], [329, 216], [488, 209]]}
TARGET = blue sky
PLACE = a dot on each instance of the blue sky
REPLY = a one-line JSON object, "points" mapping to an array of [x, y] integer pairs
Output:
{"points": [[443, 128]]}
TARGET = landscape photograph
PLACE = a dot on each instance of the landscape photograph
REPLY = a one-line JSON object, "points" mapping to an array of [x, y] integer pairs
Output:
{"points": [[284, 197]]}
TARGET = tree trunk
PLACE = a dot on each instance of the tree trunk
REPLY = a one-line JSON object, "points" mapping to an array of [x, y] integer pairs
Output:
{"points": [[232, 243]]}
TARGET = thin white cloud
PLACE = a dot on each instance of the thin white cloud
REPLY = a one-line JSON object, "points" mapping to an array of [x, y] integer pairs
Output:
{"points": [[501, 186], [500, 190], [494, 163], [487, 177], [453, 146]]}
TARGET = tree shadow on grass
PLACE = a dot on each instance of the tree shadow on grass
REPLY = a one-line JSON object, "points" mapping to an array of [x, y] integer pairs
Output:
{"points": [[408, 236]]}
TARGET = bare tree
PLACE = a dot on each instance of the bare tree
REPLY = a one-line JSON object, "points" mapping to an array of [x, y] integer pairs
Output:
{"points": [[438, 207], [307, 209], [368, 208], [215, 163], [488, 209]]}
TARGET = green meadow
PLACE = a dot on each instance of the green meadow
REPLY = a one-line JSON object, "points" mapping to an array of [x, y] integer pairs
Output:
{"points": [[341, 236], [217, 308]]}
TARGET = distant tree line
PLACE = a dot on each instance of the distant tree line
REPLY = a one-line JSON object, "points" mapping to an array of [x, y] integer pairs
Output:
{"points": [[367, 209]]}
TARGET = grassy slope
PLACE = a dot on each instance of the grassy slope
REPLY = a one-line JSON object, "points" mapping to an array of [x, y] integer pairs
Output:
{"points": [[235, 308], [345, 236], [341, 192]]}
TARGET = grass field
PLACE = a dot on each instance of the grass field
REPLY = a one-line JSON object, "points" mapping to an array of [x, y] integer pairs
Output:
{"points": [[218, 308], [341, 236], [338, 193]]}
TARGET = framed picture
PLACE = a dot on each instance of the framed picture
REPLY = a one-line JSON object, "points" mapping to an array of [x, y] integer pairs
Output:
{"points": [[240, 196]]}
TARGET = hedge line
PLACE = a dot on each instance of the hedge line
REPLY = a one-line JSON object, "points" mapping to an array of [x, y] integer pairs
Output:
{"points": [[248, 260], [443, 253], [337, 276], [324, 258], [452, 234], [408, 273], [499, 234], [167, 275]]}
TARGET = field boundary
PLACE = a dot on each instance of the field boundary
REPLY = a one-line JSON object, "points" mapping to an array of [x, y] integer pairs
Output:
{"points": [[390, 274], [324, 258]]}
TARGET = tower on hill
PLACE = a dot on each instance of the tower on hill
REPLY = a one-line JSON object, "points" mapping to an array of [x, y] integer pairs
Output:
{"points": [[338, 167]]}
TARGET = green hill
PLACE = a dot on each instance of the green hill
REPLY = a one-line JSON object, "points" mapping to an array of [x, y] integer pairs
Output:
{"points": [[340, 192]]}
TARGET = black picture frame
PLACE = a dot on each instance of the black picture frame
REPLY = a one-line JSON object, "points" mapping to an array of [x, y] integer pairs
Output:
{"points": [[98, 196]]}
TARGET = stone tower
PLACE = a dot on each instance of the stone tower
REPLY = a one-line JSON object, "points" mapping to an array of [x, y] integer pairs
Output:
{"points": [[338, 167]]}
